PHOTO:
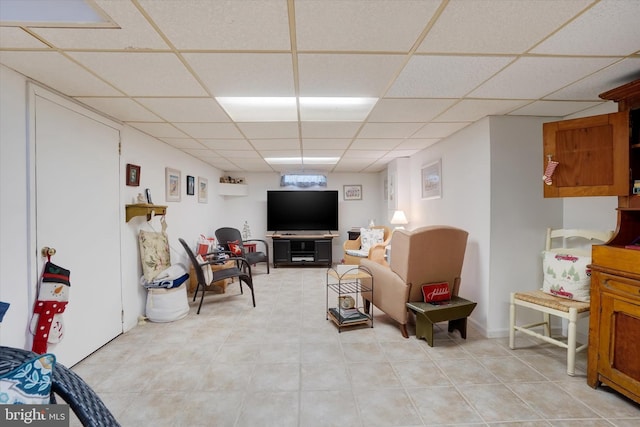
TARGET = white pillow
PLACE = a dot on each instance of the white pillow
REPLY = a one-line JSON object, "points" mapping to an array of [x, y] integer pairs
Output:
{"points": [[370, 237], [206, 269], [566, 275]]}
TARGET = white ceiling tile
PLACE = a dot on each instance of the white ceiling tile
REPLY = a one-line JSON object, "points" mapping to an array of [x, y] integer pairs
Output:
{"points": [[346, 75], [185, 109], [244, 74], [435, 76], [269, 130], [365, 154], [611, 77], [183, 143], [325, 143], [238, 154], [400, 153], [225, 144], [553, 108], [15, 37], [323, 153], [595, 32], [237, 25], [158, 130], [439, 130], [123, 109], [388, 130], [134, 33], [207, 130], [417, 143], [56, 71], [535, 77], [142, 74], [470, 110], [283, 153], [364, 26], [408, 110], [497, 26], [330, 129], [276, 144], [201, 153], [374, 144]]}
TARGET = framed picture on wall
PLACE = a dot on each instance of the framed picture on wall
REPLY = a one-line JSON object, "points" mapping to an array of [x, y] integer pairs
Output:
{"points": [[431, 180], [172, 181], [191, 185], [203, 190], [133, 175], [352, 192]]}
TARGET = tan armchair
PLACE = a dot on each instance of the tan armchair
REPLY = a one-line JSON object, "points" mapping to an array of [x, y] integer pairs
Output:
{"points": [[425, 255], [352, 247]]}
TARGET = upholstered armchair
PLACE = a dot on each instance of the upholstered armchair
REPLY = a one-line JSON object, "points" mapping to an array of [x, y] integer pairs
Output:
{"points": [[425, 255], [359, 249]]}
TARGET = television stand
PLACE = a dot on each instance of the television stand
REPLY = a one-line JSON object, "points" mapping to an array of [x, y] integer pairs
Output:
{"points": [[302, 249]]}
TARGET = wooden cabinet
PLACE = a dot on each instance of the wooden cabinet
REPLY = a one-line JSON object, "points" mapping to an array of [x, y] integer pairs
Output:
{"points": [[597, 155], [614, 325], [302, 250]]}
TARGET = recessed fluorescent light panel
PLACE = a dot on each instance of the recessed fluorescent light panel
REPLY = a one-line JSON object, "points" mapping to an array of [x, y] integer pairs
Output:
{"points": [[284, 109], [300, 160], [52, 13], [335, 109]]}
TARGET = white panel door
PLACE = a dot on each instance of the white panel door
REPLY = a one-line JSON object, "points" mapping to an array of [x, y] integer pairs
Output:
{"points": [[77, 213]]}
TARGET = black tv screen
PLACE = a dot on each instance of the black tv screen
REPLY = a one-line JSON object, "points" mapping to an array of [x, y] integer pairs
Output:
{"points": [[302, 210]]}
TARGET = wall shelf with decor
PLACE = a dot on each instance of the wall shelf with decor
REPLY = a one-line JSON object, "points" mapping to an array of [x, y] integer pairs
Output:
{"points": [[144, 209], [233, 189]]}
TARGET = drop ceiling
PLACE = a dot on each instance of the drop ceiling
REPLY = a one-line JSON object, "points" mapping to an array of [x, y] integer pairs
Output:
{"points": [[435, 67]]}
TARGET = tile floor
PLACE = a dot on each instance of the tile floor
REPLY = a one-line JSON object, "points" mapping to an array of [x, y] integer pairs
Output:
{"points": [[283, 364]]}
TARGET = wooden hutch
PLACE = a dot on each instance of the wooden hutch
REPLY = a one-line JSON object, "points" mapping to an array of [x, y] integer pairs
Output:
{"points": [[600, 156]]}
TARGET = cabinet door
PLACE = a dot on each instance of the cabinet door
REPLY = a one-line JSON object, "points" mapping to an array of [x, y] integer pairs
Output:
{"points": [[620, 342], [323, 251], [281, 250], [592, 155]]}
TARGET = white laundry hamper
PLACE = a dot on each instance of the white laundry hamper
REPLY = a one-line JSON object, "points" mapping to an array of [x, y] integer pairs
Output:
{"points": [[167, 305]]}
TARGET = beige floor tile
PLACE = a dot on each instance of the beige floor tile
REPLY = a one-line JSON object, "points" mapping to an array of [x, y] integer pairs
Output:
{"points": [[495, 402], [442, 405], [334, 408], [387, 407]]}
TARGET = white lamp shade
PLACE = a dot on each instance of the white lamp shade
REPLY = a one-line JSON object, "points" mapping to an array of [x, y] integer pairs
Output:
{"points": [[399, 218]]}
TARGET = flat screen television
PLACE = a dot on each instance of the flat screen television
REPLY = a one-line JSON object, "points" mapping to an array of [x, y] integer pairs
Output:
{"points": [[291, 210]]}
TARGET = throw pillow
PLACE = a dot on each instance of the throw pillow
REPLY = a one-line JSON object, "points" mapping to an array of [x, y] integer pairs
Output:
{"points": [[432, 292], [206, 269], [566, 275], [370, 237], [235, 248], [154, 253], [29, 383]]}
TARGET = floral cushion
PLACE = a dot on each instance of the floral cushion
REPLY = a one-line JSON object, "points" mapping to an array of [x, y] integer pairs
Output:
{"points": [[566, 275], [370, 237], [154, 253], [29, 383]]}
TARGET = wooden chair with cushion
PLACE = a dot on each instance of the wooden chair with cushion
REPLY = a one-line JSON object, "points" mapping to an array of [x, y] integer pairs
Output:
{"points": [[565, 291], [231, 239], [360, 248]]}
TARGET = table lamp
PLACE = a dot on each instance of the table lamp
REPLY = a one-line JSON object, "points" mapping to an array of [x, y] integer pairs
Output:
{"points": [[399, 219]]}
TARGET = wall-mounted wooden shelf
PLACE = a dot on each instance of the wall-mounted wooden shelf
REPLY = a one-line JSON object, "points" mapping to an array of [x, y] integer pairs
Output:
{"points": [[143, 209]]}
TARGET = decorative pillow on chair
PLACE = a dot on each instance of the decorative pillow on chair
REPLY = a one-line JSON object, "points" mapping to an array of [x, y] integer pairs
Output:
{"points": [[566, 275], [154, 252], [206, 269], [370, 237], [29, 383], [432, 292], [235, 248]]}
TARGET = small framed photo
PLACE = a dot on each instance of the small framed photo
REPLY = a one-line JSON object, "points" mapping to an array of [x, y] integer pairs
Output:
{"points": [[173, 187], [147, 194], [191, 185], [133, 175], [203, 190], [352, 192], [432, 180]]}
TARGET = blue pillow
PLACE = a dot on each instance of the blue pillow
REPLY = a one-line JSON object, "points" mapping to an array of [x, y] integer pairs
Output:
{"points": [[29, 383]]}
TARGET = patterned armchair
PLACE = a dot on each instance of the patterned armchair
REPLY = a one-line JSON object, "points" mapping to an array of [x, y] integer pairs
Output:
{"points": [[363, 247]]}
